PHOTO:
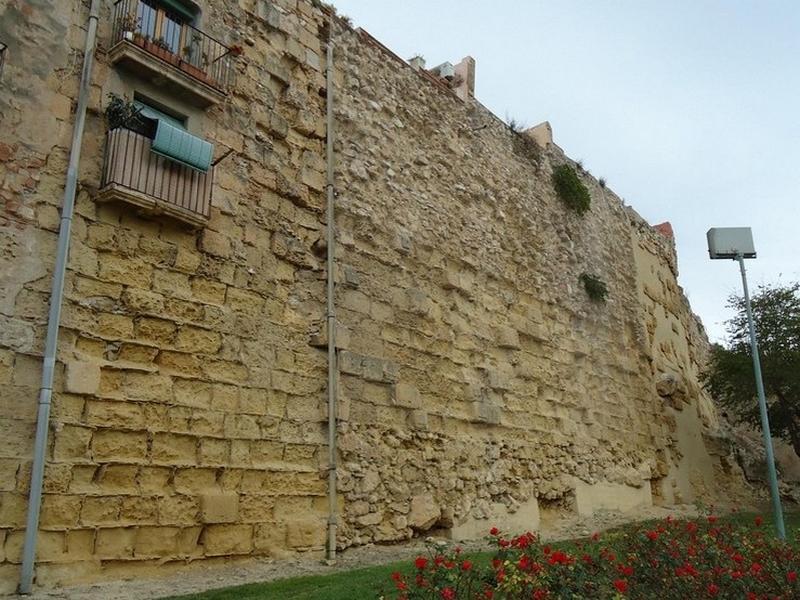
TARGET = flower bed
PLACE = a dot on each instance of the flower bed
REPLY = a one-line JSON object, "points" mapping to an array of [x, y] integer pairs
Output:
{"points": [[669, 560]]}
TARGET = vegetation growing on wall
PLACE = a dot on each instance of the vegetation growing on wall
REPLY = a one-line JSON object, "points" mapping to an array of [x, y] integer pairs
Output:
{"points": [[595, 287], [571, 189]]}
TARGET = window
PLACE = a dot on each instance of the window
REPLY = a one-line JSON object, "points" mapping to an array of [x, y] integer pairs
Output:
{"points": [[152, 110], [162, 25]]}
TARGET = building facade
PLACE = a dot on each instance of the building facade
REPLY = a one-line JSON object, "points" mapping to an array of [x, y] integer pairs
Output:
{"points": [[477, 382]]}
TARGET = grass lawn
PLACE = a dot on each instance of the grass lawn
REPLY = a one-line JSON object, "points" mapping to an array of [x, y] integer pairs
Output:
{"points": [[366, 583]]}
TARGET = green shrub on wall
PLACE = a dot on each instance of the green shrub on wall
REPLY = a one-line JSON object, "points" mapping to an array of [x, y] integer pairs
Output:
{"points": [[570, 189], [595, 287]]}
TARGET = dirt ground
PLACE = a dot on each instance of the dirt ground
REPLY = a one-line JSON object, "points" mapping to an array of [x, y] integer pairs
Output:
{"points": [[198, 577]]}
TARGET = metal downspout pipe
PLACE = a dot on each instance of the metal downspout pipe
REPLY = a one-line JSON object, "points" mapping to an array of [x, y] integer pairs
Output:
{"points": [[331, 308], [54, 318]]}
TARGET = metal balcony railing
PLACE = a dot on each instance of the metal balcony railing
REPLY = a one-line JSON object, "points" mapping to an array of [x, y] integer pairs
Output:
{"points": [[134, 174], [168, 37]]}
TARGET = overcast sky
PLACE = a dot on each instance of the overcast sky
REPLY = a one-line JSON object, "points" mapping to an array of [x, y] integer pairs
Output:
{"points": [[688, 108]]}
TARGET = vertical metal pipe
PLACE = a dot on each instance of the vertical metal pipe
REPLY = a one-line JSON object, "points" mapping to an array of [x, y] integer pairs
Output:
{"points": [[54, 318], [331, 309], [777, 510]]}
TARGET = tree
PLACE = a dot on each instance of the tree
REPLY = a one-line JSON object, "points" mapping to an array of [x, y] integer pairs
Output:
{"points": [[729, 374]]}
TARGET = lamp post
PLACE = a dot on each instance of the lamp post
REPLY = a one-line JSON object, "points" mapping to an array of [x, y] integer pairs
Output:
{"points": [[737, 243]]}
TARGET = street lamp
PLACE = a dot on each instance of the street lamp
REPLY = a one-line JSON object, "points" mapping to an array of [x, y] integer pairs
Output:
{"points": [[737, 243]]}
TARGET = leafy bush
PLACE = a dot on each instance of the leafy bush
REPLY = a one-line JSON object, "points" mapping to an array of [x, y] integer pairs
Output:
{"points": [[670, 560], [120, 112], [595, 287], [570, 189]]}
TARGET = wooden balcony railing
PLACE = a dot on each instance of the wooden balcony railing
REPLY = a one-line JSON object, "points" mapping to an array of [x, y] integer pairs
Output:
{"points": [[134, 174], [167, 37]]}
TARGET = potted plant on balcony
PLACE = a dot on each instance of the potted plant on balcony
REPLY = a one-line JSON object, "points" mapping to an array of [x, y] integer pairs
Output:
{"points": [[162, 50], [122, 113], [193, 57], [129, 25]]}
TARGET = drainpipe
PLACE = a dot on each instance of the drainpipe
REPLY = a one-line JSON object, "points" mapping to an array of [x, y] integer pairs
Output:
{"points": [[331, 310], [54, 318]]}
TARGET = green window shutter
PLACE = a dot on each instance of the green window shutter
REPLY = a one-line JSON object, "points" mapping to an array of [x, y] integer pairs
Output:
{"points": [[179, 145], [153, 113], [179, 9]]}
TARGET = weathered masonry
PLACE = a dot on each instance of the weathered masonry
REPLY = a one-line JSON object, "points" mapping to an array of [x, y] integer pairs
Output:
{"points": [[476, 382]]}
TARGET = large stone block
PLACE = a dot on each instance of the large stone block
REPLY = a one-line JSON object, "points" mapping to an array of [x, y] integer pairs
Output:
{"points": [[219, 508], [72, 443], [115, 543], [270, 539], [425, 512], [223, 540], [119, 446], [82, 377], [99, 510], [305, 533], [59, 512], [173, 449], [156, 542]]}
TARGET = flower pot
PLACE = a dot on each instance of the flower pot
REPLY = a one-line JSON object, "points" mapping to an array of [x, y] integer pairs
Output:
{"points": [[195, 72]]}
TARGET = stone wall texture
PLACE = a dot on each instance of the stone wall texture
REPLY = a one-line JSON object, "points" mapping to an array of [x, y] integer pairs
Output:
{"points": [[478, 383]]}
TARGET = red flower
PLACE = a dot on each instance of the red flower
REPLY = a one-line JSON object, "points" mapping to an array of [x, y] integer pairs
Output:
{"points": [[758, 521], [539, 594], [755, 568], [421, 562], [494, 531], [595, 536], [488, 594], [791, 576], [438, 561], [712, 519], [546, 549], [401, 585], [626, 570], [466, 565], [559, 558], [712, 589], [448, 593], [621, 585], [396, 576], [652, 535]]}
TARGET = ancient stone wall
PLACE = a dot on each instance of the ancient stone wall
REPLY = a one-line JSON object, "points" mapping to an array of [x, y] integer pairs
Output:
{"points": [[478, 382], [186, 420]]}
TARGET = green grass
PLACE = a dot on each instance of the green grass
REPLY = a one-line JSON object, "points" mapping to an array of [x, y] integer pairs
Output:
{"points": [[366, 583]]}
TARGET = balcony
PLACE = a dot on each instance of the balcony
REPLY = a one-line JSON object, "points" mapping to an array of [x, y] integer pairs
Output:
{"points": [[156, 43], [133, 173]]}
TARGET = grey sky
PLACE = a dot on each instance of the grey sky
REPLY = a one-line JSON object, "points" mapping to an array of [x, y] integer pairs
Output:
{"points": [[689, 109]]}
